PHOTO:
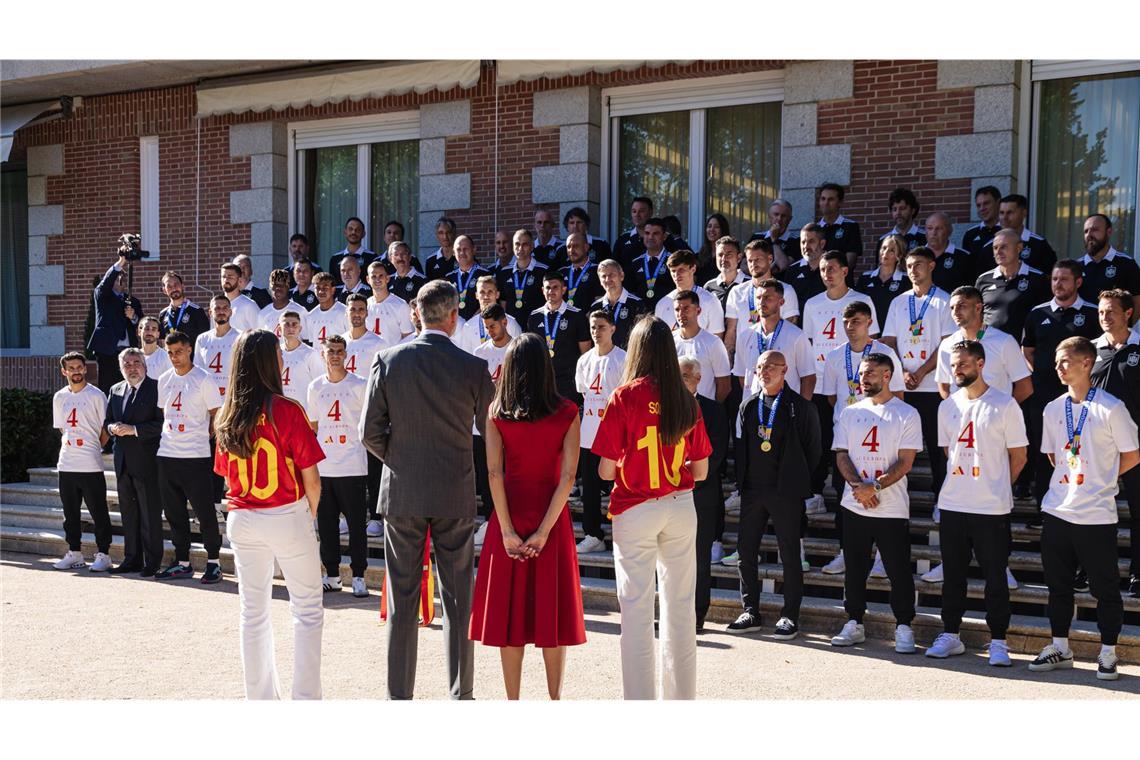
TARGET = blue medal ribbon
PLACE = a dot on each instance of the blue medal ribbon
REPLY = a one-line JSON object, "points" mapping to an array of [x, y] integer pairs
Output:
{"points": [[551, 331], [651, 280], [178, 320], [762, 344], [753, 314], [916, 321], [574, 283], [766, 427], [1074, 444], [518, 286], [463, 284], [853, 377]]}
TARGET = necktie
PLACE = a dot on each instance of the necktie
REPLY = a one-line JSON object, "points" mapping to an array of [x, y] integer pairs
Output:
{"points": [[130, 400]]}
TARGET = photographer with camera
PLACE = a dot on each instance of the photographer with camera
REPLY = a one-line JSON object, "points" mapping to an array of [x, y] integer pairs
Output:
{"points": [[117, 313]]}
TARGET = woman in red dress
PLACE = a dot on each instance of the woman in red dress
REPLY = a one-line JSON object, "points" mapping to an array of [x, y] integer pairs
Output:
{"points": [[528, 590]]}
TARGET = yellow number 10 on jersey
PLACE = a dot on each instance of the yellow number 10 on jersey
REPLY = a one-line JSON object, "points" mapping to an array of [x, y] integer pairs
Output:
{"points": [[249, 485], [652, 441]]}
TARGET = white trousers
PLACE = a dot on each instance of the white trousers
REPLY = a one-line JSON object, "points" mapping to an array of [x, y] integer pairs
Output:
{"points": [[658, 535], [284, 534]]}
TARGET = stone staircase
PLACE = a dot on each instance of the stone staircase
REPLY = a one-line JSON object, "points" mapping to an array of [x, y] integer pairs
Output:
{"points": [[31, 520]]}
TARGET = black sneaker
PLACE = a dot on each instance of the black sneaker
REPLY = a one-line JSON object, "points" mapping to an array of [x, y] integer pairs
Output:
{"points": [[177, 571], [1021, 491], [746, 623], [700, 627], [1051, 658], [1081, 582], [1106, 667], [1034, 523], [213, 573], [1134, 586], [786, 630]]}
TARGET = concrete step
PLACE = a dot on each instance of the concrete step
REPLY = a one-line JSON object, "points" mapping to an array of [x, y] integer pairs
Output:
{"points": [[1027, 635]]}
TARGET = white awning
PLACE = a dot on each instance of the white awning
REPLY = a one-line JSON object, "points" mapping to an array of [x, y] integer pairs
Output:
{"points": [[301, 91], [14, 117], [510, 72]]}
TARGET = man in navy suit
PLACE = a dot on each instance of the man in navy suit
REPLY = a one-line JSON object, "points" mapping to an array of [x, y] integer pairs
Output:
{"points": [[116, 323], [134, 421]]}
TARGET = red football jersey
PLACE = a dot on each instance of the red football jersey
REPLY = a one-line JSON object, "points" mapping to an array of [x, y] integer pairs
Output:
{"points": [[272, 477], [646, 468]]}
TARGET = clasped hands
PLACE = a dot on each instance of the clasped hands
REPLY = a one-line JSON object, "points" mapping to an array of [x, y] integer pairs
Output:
{"points": [[522, 550], [866, 495]]}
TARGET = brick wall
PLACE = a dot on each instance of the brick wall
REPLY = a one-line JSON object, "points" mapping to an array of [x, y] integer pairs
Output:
{"points": [[36, 373], [891, 122]]}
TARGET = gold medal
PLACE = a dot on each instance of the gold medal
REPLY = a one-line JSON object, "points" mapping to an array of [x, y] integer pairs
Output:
{"points": [[552, 353], [649, 292], [1074, 462], [766, 446], [518, 304], [851, 400]]}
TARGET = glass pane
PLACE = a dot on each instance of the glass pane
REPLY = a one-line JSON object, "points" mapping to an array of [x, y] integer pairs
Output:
{"points": [[743, 155], [395, 181], [330, 198], [1087, 159], [14, 259], [654, 160]]}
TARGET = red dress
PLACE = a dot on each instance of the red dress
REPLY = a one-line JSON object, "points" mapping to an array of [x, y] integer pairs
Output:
{"points": [[537, 601]]}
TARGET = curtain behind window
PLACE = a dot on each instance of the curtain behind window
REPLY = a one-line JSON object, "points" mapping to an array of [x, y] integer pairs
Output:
{"points": [[654, 155], [330, 198], [1087, 159], [14, 305], [743, 157], [395, 179]]}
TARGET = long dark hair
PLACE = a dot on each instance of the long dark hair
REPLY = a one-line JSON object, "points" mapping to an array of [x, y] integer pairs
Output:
{"points": [[526, 389], [255, 379], [652, 353], [707, 254]]}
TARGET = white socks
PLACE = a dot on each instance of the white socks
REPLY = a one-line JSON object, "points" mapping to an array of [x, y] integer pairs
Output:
{"points": [[1061, 643], [1108, 649]]}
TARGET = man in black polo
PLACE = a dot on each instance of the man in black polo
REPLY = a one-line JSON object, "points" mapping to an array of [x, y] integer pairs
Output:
{"points": [[803, 274], [582, 285], [647, 275], [1013, 210], [903, 206], [520, 287], [1012, 288], [1106, 268], [465, 276], [629, 244], [181, 313], [353, 237], [303, 294], [1045, 327], [406, 279], [953, 267], [546, 242], [565, 330], [577, 220], [259, 296], [785, 242], [986, 202], [840, 233], [623, 307]]}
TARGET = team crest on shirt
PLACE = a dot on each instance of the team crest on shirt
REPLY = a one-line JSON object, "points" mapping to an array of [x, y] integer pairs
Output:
{"points": [[344, 439], [624, 313], [78, 441], [893, 286], [1025, 255], [181, 428], [1023, 285], [563, 324], [839, 233], [1079, 320], [408, 287], [1110, 272], [1133, 360], [948, 264]]}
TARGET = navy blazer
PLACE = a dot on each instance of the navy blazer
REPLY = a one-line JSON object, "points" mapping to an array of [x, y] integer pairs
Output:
{"points": [[110, 318], [136, 453]]}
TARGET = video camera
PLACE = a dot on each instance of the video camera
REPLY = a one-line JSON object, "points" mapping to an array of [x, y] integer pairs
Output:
{"points": [[129, 247]]}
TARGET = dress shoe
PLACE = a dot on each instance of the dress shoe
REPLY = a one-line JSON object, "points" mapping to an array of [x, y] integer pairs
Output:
{"points": [[125, 568], [148, 572]]}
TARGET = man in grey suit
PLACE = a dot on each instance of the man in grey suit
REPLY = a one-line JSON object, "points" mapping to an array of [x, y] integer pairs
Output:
{"points": [[420, 401]]}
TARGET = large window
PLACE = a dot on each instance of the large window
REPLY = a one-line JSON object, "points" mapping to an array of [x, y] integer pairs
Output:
{"points": [[695, 147], [367, 167], [1087, 155], [14, 259]]}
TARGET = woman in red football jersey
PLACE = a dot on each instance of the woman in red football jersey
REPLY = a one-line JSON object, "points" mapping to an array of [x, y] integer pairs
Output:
{"points": [[653, 445], [268, 454]]}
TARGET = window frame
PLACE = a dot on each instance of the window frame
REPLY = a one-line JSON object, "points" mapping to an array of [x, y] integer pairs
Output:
{"points": [[359, 131], [1047, 70], [696, 96], [149, 196]]}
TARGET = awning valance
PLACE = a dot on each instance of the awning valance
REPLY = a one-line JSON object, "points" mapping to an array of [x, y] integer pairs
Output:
{"points": [[510, 72], [334, 87]]}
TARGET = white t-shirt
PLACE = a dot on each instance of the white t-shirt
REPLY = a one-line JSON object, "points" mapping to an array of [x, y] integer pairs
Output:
{"points": [[1005, 364], [709, 350], [711, 317], [302, 365], [474, 333], [823, 323], [1086, 495], [493, 355], [157, 363], [596, 377], [321, 324], [978, 434], [747, 313], [361, 351], [186, 402], [391, 319], [337, 408], [244, 314], [935, 325], [873, 434], [213, 355], [269, 318], [790, 341], [80, 416], [834, 381]]}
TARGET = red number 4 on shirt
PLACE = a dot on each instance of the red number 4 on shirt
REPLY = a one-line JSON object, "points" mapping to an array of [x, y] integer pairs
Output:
{"points": [[829, 330], [334, 411], [967, 435], [596, 386], [72, 419], [871, 440]]}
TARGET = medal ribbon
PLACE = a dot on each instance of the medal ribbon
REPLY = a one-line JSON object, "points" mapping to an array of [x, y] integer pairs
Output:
{"points": [[574, 283], [178, 320], [916, 321], [651, 280], [753, 313], [518, 286], [551, 331], [766, 427], [853, 377], [1074, 434], [615, 312], [463, 283], [762, 344]]}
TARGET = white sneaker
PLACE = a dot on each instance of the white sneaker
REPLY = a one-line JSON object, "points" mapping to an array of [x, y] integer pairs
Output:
{"points": [[934, 575], [481, 534], [374, 529], [999, 654], [717, 552], [71, 561], [591, 544], [733, 501], [358, 587], [877, 569], [937, 515], [331, 584], [946, 645], [851, 635], [343, 526], [814, 504], [731, 560], [904, 639], [837, 566], [1010, 580], [101, 564]]}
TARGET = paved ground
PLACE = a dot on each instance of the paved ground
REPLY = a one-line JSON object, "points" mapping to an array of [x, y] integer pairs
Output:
{"points": [[125, 637]]}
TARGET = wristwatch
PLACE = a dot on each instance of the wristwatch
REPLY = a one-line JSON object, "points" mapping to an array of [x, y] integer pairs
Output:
{"points": [[878, 486]]}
